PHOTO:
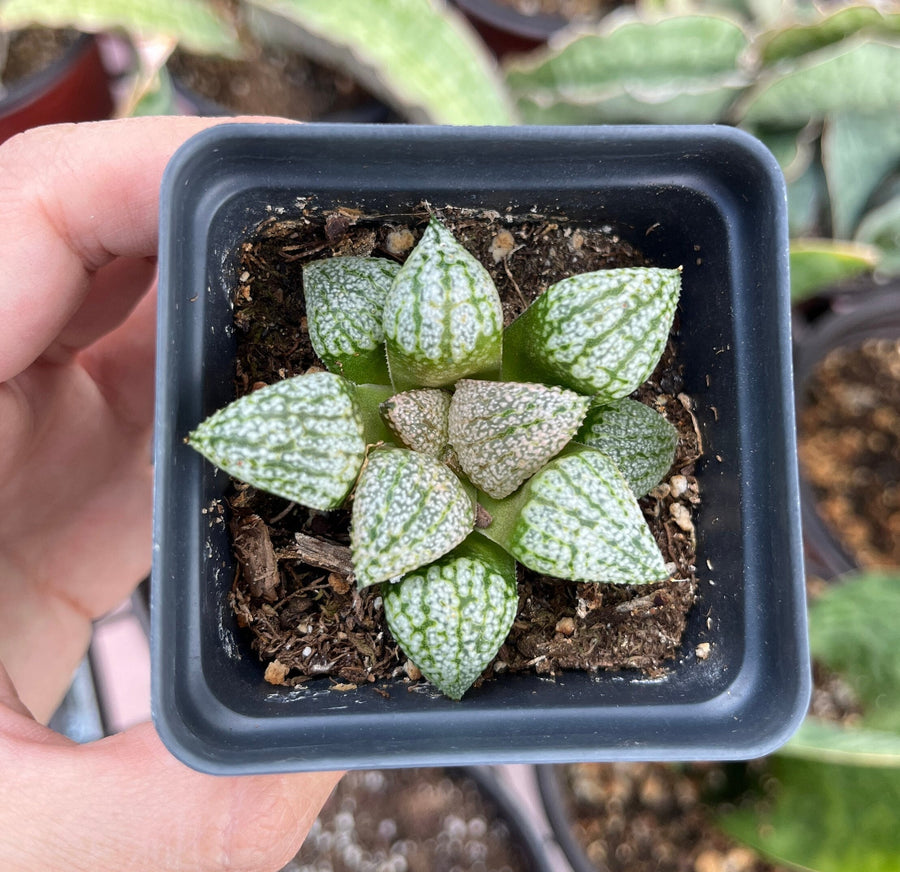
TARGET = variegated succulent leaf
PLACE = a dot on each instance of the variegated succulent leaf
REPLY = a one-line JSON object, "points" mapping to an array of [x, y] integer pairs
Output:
{"points": [[408, 510], [301, 439], [344, 309], [442, 317], [600, 333], [639, 440], [419, 419], [577, 519], [451, 616], [504, 432]]}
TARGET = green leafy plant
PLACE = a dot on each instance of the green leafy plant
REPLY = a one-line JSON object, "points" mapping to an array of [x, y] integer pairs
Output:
{"points": [[817, 84], [479, 448], [834, 787]]}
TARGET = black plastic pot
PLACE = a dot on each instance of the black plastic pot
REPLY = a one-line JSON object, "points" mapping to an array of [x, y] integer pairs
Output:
{"points": [[504, 30], [874, 314], [708, 198], [75, 87]]}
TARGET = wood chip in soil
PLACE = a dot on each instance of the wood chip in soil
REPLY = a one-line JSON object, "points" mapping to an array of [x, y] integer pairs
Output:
{"points": [[311, 620]]}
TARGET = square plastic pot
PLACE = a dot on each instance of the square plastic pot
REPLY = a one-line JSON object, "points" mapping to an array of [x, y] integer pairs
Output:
{"points": [[709, 199]]}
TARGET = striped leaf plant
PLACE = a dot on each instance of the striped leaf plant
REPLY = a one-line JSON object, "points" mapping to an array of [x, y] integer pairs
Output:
{"points": [[431, 416]]}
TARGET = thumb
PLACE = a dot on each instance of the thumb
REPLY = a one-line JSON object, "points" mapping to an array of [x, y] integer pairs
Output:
{"points": [[126, 803]]}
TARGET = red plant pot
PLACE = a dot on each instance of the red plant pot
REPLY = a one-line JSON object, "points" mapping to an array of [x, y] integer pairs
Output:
{"points": [[75, 87]]}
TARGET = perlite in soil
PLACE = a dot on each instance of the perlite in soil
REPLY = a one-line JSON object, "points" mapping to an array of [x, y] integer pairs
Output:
{"points": [[432, 414]]}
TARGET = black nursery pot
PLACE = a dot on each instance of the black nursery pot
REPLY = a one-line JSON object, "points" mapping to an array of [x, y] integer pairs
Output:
{"points": [[711, 199]]}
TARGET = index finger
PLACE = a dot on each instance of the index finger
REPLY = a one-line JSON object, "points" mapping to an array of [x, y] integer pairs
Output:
{"points": [[72, 199]]}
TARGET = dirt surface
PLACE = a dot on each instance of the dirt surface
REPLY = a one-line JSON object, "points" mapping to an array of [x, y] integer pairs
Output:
{"points": [[25, 52], [849, 448], [308, 620], [654, 817], [419, 820], [272, 81]]}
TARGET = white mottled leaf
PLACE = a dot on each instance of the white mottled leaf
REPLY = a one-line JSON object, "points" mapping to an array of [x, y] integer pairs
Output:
{"points": [[599, 333], [452, 616], [420, 419], [577, 519], [409, 509], [639, 440], [442, 317], [504, 432], [344, 309], [301, 439]]}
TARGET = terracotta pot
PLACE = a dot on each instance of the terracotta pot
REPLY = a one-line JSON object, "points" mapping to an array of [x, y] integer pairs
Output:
{"points": [[75, 87]]}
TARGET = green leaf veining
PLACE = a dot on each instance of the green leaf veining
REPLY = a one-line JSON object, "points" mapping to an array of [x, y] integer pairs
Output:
{"points": [[599, 333], [442, 318], [408, 510], [452, 616], [504, 432], [344, 307], [640, 441], [301, 439]]}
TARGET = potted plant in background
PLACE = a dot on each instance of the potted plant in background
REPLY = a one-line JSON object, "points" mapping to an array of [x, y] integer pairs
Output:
{"points": [[49, 76], [673, 214]]}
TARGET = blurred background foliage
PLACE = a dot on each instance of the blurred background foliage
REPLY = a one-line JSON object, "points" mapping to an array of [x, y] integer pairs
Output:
{"points": [[818, 83]]}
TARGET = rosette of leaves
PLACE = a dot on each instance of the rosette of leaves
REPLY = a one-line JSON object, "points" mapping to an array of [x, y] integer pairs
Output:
{"points": [[431, 409]]}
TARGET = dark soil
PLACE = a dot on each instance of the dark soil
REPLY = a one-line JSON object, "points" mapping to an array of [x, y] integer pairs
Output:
{"points": [[271, 81], [31, 50], [418, 820], [849, 448], [308, 620], [654, 817]]}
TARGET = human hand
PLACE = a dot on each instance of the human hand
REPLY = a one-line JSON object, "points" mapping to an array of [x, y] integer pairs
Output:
{"points": [[78, 227]]}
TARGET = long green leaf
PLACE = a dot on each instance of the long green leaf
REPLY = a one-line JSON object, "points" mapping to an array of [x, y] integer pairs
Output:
{"points": [[858, 152], [418, 55], [832, 743], [853, 630], [192, 23], [881, 227], [857, 75], [798, 39], [691, 73], [826, 817], [818, 263]]}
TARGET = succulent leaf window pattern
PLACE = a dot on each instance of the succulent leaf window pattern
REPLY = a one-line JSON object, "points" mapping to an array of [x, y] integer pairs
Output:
{"points": [[432, 415]]}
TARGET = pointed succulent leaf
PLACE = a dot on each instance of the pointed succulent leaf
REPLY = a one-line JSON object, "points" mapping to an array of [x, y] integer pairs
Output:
{"points": [[419, 419], [344, 308], [409, 509], [442, 318], [504, 432], [577, 519], [598, 333], [639, 440], [451, 617], [301, 439]]}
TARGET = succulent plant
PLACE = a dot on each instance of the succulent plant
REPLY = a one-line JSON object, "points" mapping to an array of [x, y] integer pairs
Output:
{"points": [[413, 421]]}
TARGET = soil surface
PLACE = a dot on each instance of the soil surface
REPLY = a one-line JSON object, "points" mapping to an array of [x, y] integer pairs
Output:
{"points": [[270, 81], [654, 817], [849, 448], [25, 52], [418, 820], [306, 619]]}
